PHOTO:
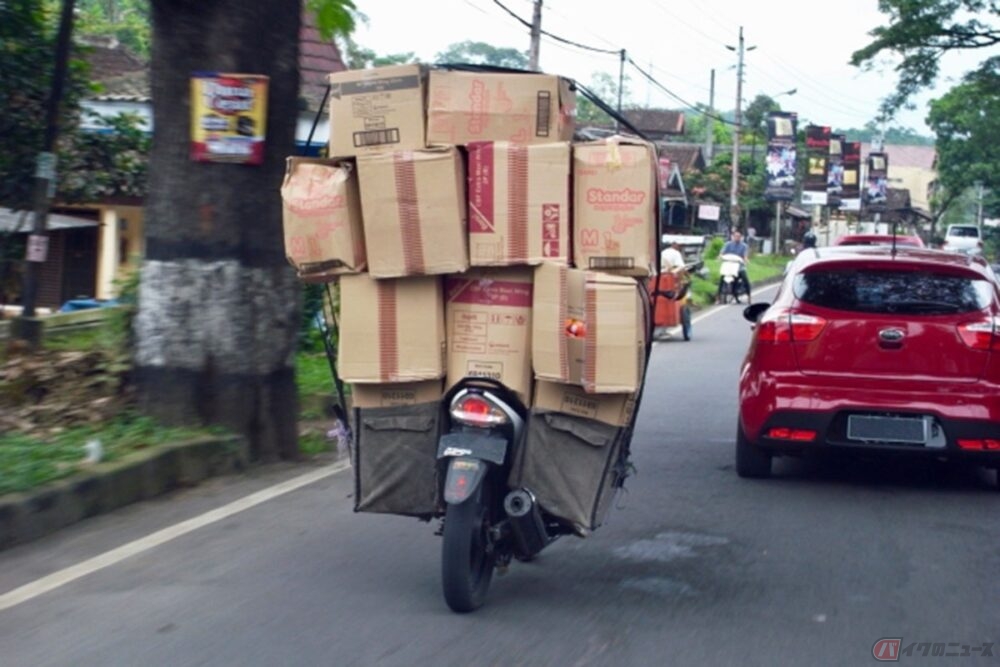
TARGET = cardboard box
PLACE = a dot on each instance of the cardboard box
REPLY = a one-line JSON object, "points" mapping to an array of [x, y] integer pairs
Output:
{"points": [[395, 394], [615, 206], [391, 330], [376, 110], [518, 203], [589, 328], [463, 107], [614, 409], [321, 214], [488, 314], [414, 210]]}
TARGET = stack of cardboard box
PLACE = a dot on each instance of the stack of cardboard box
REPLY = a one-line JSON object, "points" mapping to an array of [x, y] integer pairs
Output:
{"points": [[471, 236]]}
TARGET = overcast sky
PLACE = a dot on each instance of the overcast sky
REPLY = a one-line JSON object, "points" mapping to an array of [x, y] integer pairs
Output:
{"points": [[803, 45]]}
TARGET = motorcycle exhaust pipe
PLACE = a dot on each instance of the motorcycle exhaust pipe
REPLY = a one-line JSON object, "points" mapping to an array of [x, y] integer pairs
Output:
{"points": [[526, 522]]}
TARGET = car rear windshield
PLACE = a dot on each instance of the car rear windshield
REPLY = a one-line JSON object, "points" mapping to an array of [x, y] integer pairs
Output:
{"points": [[963, 231], [892, 291]]}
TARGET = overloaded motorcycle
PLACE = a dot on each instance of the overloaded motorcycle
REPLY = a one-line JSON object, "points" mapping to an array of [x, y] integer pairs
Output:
{"points": [[731, 283]]}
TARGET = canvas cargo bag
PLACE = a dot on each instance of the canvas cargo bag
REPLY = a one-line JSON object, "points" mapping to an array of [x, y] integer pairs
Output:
{"points": [[395, 459], [572, 465]]}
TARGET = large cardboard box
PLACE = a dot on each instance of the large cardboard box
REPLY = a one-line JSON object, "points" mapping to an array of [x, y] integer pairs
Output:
{"points": [[589, 328], [396, 393], [463, 107], [414, 209], [377, 110], [321, 213], [391, 330], [518, 203], [615, 206], [488, 314], [571, 399]]}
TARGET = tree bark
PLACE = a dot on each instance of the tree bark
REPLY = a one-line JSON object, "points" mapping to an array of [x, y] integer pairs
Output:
{"points": [[219, 306]]}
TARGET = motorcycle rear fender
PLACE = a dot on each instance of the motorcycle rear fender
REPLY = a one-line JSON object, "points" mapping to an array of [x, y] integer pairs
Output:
{"points": [[469, 454], [465, 474]]}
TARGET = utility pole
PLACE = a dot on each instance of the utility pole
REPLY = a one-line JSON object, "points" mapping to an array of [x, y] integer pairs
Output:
{"points": [[734, 204], [536, 36], [979, 207], [710, 120], [45, 180]]}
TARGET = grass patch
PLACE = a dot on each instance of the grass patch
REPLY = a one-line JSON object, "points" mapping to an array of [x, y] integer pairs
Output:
{"points": [[31, 461]]}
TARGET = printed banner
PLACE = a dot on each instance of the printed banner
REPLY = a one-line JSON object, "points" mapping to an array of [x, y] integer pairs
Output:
{"points": [[228, 117], [852, 170], [877, 186], [835, 170], [781, 156], [817, 156]]}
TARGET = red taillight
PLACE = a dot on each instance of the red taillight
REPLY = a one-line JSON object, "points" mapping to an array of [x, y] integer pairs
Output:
{"points": [[987, 444], [979, 335], [477, 410], [794, 434], [785, 326]]}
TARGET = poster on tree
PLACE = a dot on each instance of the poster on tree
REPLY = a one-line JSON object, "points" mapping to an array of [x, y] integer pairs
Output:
{"points": [[228, 117]]}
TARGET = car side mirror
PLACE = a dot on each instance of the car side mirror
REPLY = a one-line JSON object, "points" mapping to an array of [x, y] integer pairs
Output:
{"points": [[753, 312]]}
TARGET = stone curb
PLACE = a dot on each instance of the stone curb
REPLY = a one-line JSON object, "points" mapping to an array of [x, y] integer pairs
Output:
{"points": [[109, 486]]}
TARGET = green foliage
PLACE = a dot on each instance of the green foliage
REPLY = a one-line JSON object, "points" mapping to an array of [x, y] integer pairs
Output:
{"points": [[113, 162], [310, 339], [713, 248], [967, 123], [920, 32], [28, 461], [480, 53], [605, 87], [358, 57], [127, 21], [334, 17]]}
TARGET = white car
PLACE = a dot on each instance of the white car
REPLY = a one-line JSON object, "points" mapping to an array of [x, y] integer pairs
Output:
{"points": [[965, 239]]}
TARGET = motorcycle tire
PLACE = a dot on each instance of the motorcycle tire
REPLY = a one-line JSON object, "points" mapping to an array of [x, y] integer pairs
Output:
{"points": [[466, 561]]}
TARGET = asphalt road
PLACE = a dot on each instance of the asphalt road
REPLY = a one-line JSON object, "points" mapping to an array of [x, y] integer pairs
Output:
{"points": [[693, 567]]}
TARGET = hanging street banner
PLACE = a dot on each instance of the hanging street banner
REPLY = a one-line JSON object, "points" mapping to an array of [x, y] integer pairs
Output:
{"points": [[781, 156], [835, 170], [817, 156], [877, 185], [852, 171], [228, 117]]}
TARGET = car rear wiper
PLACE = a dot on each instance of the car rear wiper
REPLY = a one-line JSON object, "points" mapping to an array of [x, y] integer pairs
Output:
{"points": [[915, 306]]}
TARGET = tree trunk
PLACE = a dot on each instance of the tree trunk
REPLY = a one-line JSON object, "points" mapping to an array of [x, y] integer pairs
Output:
{"points": [[218, 304]]}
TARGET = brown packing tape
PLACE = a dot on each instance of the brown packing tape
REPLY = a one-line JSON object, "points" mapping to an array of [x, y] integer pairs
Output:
{"points": [[409, 212], [388, 331], [590, 344], [517, 202]]}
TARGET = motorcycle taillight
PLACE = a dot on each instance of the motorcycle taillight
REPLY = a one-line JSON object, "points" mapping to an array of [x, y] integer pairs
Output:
{"points": [[478, 409]]}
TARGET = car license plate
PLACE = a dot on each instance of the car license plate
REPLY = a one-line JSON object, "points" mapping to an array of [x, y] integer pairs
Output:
{"points": [[880, 428]]}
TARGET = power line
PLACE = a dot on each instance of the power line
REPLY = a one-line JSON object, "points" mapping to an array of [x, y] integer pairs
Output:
{"points": [[550, 35], [649, 77]]}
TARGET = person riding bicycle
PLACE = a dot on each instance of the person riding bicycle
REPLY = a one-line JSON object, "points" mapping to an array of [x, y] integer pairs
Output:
{"points": [[736, 246]]}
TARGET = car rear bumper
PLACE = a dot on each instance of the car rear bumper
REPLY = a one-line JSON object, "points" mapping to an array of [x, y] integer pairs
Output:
{"points": [[959, 412]]}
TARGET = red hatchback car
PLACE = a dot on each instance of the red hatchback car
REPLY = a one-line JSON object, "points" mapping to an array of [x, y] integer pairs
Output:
{"points": [[880, 239], [868, 348]]}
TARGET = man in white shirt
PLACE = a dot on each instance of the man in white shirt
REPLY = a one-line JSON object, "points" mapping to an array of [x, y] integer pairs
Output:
{"points": [[672, 259]]}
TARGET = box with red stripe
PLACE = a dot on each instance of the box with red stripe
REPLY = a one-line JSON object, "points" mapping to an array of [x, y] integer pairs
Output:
{"points": [[413, 205], [391, 330], [518, 203]]}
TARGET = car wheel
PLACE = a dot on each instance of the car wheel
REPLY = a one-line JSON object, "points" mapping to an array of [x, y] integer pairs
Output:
{"points": [[751, 460]]}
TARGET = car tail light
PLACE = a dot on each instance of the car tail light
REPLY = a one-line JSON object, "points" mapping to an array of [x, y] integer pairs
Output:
{"points": [[979, 335], [787, 325], [474, 409], [987, 444], [794, 434]]}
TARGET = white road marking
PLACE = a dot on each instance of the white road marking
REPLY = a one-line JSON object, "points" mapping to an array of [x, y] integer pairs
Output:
{"points": [[65, 576]]}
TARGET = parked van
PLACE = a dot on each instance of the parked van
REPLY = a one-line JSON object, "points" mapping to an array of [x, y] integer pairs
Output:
{"points": [[964, 238]]}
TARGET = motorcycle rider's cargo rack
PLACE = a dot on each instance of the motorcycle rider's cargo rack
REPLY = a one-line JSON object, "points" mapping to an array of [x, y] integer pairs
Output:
{"points": [[394, 455], [572, 465]]}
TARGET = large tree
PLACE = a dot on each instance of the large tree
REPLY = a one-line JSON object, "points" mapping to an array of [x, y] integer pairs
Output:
{"points": [[218, 304], [918, 33]]}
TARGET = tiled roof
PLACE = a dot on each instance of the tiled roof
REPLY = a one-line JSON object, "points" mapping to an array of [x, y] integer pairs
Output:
{"points": [[687, 157], [662, 121], [317, 59], [921, 157]]}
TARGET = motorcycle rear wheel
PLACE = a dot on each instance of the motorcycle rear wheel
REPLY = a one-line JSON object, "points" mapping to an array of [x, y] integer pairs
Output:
{"points": [[466, 561]]}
